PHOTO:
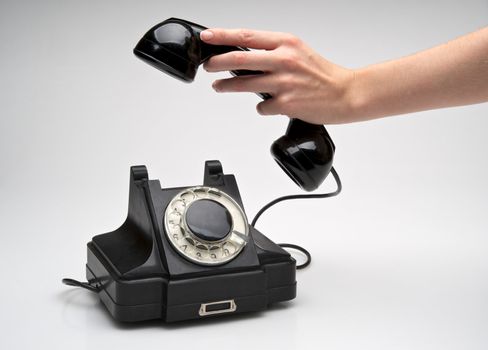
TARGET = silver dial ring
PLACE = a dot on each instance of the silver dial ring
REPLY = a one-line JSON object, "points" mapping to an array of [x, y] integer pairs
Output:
{"points": [[195, 249]]}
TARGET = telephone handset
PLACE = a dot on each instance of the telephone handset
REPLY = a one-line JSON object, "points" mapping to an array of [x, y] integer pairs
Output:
{"points": [[305, 152]]}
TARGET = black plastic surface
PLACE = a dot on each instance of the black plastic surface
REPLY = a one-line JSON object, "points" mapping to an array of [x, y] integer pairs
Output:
{"points": [[140, 276]]}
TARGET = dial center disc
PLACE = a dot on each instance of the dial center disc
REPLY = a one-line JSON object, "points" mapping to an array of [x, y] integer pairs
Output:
{"points": [[208, 220]]}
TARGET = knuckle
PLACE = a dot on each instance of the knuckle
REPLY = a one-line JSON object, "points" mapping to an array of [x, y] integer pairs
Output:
{"points": [[285, 102], [292, 40], [245, 36], [285, 82], [289, 61], [239, 58]]}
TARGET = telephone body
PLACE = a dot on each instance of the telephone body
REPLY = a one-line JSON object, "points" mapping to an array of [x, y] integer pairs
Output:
{"points": [[187, 253]]}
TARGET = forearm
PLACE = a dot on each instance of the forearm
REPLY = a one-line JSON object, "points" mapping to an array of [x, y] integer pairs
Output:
{"points": [[452, 74]]}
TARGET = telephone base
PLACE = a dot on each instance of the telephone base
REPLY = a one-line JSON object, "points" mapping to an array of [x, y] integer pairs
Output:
{"points": [[141, 276]]}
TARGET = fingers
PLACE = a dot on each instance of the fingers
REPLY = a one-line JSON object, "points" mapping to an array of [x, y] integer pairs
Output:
{"points": [[266, 59], [243, 37], [254, 60], [255, 83], [269, 107]]}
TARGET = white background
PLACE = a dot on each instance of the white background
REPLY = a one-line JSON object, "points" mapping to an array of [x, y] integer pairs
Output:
{"points": [[400, 258]]}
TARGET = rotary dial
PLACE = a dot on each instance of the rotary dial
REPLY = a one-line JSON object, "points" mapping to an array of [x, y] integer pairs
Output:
{"points": [[206, 226]]}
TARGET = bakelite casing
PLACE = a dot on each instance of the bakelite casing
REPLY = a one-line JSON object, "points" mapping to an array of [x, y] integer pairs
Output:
{"points": [[139, 276]]}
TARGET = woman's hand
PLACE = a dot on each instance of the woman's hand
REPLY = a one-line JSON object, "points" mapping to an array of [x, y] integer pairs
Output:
{"points": [[303, 84]]}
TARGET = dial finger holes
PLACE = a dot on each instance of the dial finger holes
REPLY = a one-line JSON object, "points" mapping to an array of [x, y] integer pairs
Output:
{"points": [[206, 226]]}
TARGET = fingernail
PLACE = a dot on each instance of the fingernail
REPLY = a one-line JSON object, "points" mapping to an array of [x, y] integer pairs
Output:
{"points": [[206, 35], [215, 86]]}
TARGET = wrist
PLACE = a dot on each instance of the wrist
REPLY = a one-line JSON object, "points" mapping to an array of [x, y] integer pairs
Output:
{"points": [[346, 105], [357, 96], [350, 103]]}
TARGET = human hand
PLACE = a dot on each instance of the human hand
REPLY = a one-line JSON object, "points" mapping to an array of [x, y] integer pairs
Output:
{"points": [[303, 84]]}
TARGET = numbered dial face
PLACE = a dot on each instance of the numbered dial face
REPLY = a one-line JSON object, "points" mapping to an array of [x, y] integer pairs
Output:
{"points": [[206, 226]]}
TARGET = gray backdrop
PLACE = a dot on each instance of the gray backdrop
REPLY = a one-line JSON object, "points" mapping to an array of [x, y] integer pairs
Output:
{"points": [[400, 258]]}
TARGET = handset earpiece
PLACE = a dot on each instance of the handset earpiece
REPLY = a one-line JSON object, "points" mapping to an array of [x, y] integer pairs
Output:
{"points": [[305, 152], [171, 47]]}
